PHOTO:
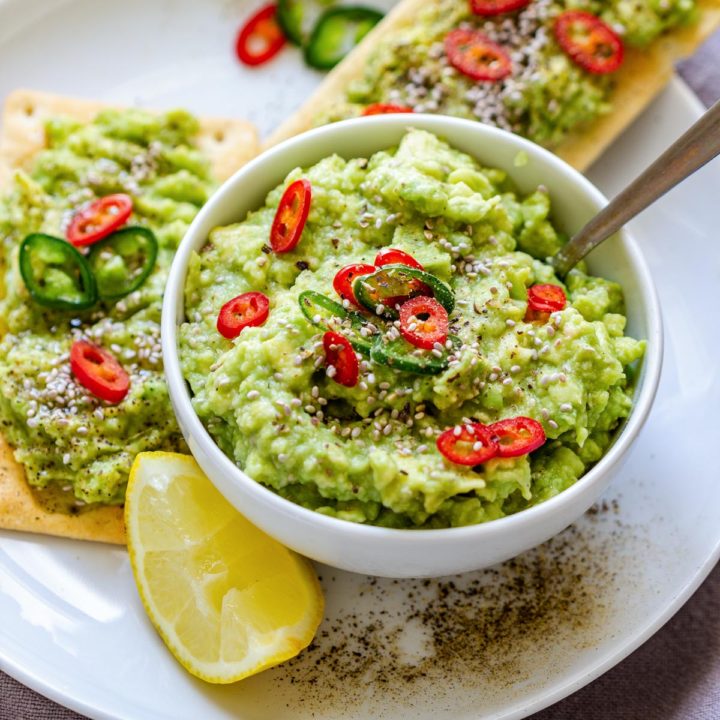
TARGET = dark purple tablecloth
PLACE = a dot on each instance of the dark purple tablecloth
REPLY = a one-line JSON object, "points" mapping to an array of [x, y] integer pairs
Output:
{"points": [[674, 676]]}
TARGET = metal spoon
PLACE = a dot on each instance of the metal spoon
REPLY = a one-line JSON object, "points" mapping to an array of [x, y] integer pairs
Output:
{"points": [[699, 145]]}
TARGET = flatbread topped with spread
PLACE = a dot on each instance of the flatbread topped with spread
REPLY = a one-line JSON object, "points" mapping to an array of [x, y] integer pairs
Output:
{"points": [[570, 76], [64, 452]]}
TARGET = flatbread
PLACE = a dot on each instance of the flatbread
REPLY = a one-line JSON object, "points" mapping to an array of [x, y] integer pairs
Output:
{"points": [[643, 74], [227, 143]]}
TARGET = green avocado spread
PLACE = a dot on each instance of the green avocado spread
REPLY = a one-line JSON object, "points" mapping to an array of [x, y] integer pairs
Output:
{"points": [[545, 96], [69, 441], [368, 453]]}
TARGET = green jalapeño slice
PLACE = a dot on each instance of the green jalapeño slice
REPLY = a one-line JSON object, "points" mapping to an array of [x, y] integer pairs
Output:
{"points": [[392, 285], [123, 261], [56, 274], [337, 32], [327, 314], [401, 355], [298, 17]]}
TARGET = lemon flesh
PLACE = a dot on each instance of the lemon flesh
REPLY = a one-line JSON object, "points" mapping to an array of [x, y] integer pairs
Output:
{"points": [[228, 600]]}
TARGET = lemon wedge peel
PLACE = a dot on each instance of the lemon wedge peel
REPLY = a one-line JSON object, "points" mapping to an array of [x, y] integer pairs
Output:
{"points": [[227, 600]]}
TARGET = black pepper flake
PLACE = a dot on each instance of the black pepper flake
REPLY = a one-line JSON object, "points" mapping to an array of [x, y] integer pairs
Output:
{"points": [[301, 265], [266, 249], [483, 631]]}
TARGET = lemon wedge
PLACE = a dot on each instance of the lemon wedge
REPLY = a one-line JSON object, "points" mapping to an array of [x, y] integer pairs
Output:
{"points": [[228, 600]]}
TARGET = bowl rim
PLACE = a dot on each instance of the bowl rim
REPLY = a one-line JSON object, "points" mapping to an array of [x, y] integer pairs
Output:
{"points": [[192, 426]]}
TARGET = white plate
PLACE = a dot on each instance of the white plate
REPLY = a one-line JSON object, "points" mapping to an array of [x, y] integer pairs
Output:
{"points": [[71, 624]]}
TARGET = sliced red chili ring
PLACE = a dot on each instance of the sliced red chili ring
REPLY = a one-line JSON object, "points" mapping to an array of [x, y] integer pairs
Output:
{"points": [[386, 109], [487, 8], [340, 356], [475, 55], [467, 444], [546, 298], [517, 436], [291, 216], [424, 322], [392, 256], [344, 279], [261, 38], [247, 310], [99, 219], [591, 43], [98, 371]]}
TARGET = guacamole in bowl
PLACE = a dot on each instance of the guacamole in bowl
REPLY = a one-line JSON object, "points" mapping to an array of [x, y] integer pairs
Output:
{"points": [[495, 392]]}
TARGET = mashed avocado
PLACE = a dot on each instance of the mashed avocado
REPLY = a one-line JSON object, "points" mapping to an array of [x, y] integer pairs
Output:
{"points": [[546, 95], [64, 436], [368, 453]]}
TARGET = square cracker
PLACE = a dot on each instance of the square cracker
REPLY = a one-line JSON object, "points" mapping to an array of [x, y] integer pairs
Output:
{"points": [[227, 143], [643, 74]]}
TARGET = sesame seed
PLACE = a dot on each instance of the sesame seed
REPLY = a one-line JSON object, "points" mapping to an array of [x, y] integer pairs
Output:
{"points": [[477, 446], [331, 371], [66, 459], [355, 432], [552, 424], [253, 395], [566, 407], [457, 431], [510, 323]]}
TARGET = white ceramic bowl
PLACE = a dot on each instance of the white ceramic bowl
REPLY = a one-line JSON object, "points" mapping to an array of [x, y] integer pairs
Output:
{"points": [[415, 553]]}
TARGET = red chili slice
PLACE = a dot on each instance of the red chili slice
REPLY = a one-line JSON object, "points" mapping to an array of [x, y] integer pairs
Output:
{"points": [[291, 216], [391, 256], [590, 42], [386, 109], [467, 444], [99, 219], [496, 7], [344, 279], [517, 436], [247, 310], [424, 322], [475, 55], [261, 38], [98, 371], [546, 298], [340, 356]]}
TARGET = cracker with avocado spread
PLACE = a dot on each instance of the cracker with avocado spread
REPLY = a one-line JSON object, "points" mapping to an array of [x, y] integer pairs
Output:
{"points": [[392, 66], [225, 143]]}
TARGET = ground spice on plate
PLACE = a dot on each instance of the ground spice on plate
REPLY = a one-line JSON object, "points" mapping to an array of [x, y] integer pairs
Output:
{"points": [[392, 642]]}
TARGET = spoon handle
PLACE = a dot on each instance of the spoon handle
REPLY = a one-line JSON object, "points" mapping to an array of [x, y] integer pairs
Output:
{"points": [[699, 145]]}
